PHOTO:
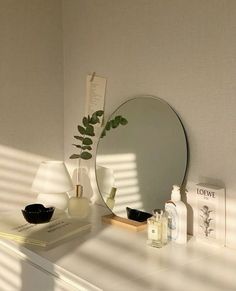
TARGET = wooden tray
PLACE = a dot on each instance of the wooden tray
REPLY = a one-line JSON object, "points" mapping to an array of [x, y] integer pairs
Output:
{"points": [[124, 222]]}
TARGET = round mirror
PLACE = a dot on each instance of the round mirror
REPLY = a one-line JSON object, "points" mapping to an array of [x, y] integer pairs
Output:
{"points": [[142, 159]]}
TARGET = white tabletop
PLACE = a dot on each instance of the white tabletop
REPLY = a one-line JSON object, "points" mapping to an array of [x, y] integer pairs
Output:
{"points": [[111, 258]]}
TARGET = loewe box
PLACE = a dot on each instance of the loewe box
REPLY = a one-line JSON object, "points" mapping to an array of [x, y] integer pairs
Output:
{"points": [[209, 214]]}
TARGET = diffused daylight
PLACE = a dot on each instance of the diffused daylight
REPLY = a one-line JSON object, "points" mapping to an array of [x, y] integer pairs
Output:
{"points": [[117, 145]]}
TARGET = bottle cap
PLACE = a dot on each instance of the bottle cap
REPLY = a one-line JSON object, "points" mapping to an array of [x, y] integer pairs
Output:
{"points": [[158, 213], [175, 194]]}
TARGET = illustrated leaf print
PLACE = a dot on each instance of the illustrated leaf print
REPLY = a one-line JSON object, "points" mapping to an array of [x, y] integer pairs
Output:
{"points": [[206, 220]]}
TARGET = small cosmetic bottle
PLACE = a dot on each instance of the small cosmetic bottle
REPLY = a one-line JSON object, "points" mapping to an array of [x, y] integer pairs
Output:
{"points": [[157, 229], [111, 198]]}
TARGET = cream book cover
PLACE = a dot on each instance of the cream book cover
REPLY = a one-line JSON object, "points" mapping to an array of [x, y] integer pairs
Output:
{"points": [[13, 226], [209, 214]]}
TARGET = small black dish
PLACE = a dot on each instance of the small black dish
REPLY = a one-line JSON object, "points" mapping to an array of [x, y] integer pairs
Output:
{"points": [[137, 215], [37, 213]]}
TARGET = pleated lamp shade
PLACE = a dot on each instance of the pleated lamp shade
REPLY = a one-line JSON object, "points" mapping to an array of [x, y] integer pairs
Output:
{"points": [[52, 181]]}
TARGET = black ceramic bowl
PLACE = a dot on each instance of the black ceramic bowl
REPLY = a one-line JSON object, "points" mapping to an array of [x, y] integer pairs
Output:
{"points": [[137, 215], [37, 213]]}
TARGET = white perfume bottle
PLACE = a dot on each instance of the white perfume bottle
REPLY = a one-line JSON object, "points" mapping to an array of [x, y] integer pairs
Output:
{"points": [[177, 212], [157, 229], [79, 206], [111, 198]]}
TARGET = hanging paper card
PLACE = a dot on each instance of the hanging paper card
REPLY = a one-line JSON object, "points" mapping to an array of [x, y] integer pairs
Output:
{"points": [[95, 94]]}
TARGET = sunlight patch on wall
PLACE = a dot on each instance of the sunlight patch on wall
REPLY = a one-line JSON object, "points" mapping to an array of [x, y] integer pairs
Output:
{"points": [[126, 174], [17, 171], [125, 178], [129, 190]]}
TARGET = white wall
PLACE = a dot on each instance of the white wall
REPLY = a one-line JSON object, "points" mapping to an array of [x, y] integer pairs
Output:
{"points": [[181, 51], [31, 93]]}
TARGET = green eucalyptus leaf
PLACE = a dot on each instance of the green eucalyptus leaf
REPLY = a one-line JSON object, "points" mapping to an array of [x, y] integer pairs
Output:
{"points": [[86, 147], [99, 113], [118, 118], [86, 155], [85, 121], [77, 145], [74, 156], [78, 137], [108, 125], [114, 123], [87, 141], [123, 121], [94, 119], [103, 133], [90, 130], [81, 129], [89, 118]]}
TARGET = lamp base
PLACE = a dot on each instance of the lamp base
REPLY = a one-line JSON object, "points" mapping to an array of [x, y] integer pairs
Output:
{"points": [[58, 200], [79, 207]]}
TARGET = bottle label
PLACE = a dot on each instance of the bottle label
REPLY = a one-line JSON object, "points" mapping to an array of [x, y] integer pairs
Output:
{"points": [[173, 224], [152, 232]]}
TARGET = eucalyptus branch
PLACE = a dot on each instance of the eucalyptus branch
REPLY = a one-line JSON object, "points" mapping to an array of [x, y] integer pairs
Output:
{"points": [[86, 133], [114, 123]]}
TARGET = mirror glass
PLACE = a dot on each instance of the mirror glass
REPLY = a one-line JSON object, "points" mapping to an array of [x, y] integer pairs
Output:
{"points": [[143, 158]]}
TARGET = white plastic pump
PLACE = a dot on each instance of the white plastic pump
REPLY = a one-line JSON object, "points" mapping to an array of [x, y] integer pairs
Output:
{"points": [[177, 212], [175, 194]]}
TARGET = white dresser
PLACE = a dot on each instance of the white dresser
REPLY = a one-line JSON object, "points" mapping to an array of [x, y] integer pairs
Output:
{"points": [[114, 259]]}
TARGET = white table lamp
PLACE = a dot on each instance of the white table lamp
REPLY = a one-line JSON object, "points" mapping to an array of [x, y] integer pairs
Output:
{"points": [[52, 181]]}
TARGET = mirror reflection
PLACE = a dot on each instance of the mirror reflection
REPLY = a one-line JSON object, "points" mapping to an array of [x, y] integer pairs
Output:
{"points": [[137, 164]]}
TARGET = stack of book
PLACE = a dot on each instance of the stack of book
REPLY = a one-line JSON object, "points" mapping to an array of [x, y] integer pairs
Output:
{"points": [[13, 226]]}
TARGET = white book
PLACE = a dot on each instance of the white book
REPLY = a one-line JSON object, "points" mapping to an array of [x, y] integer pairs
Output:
{"points": [[209, 214], [13, 226]]}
